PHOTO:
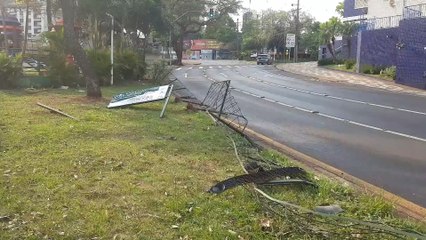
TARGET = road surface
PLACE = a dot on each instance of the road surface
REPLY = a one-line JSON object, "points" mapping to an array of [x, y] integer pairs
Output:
{"points": [[377, 136]]}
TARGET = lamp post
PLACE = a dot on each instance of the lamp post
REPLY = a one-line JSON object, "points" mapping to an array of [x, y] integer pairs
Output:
{"points": [[112, 47]]}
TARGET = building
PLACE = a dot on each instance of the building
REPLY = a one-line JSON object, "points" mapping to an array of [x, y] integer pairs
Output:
{"points": [[37, 17], [390, 33], [13, 32]]}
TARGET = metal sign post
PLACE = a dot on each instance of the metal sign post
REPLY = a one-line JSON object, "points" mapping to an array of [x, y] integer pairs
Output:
{"points": [[167, 101]]}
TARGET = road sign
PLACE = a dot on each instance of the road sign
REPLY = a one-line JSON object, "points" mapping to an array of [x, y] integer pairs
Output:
{"points": [[290, 40], [138, 97]]}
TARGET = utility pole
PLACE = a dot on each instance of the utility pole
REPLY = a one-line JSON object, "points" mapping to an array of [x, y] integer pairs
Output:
{"points": [[296, 48], [238, 38], [112, 48]]}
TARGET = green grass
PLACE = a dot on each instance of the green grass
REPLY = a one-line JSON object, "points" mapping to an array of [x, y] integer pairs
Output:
{"points": [[127, 174], [342, 67]]}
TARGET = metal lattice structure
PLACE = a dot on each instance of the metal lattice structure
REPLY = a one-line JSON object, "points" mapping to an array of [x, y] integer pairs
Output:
{"points": [[220, 102]]}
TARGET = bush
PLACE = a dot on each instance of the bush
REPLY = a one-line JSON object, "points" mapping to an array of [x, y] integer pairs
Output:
{"points": [[129, 66], [10, 70], [389, 72], [101, 63], [329, 61], [349, 64], [60, 72], [370, 69], [159, 71]]}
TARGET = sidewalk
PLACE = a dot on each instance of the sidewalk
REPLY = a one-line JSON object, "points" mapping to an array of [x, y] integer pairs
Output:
{"points": [[310, 69]]}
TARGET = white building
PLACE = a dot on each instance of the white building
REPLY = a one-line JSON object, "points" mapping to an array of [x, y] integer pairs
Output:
{"points": [[37, 17], [383, 13]]}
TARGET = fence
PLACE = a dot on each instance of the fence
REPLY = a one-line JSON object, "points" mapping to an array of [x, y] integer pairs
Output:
{"points": [[415, 11], [380, 23]]}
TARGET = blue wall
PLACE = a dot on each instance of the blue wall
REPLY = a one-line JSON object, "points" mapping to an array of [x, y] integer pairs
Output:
{"points": [[350, 11], [378, 47], [411, 60]]}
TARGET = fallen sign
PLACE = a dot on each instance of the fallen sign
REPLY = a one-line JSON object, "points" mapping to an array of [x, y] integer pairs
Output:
{"points": [[143, 96]]}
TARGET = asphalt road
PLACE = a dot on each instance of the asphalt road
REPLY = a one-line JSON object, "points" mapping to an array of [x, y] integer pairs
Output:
{"points": [[375, 135]]}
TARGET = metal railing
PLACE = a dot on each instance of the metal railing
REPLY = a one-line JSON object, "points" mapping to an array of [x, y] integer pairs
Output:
{"points": [[380, 23], [361, 4], [415, 11]]}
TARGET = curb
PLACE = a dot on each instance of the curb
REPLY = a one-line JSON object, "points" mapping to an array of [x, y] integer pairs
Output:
{"points": [[403, 206]]}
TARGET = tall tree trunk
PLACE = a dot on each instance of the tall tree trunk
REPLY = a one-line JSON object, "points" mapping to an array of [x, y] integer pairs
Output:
{"points": [[73, 46], [178, 47], [24, 48], [349, 42], [330, 47], [49, 14], [3, 15]]}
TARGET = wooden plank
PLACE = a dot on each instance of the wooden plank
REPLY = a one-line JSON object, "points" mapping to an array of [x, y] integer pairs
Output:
{"points": [[56, 111]]}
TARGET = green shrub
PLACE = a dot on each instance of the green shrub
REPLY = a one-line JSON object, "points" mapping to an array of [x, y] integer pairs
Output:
{"points": [[59, 71], [159, 71], [389, 72], [129, 66], [101, 62], [349, 64], [370, 69], [329, 61], [10, 70]]}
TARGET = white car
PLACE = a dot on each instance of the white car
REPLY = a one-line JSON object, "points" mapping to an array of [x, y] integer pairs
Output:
{"points": [[253, 55]]}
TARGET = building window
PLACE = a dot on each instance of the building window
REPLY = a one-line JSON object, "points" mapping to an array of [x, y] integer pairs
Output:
{"points": [[361, 4]]}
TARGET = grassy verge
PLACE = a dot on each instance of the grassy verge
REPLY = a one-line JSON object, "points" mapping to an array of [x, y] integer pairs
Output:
{"points": [[341, 67], [126, 174]]}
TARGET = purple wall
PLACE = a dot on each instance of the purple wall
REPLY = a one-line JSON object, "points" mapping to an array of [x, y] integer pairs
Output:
{"points": [[411, 60], [379, 47], [350, 11]]}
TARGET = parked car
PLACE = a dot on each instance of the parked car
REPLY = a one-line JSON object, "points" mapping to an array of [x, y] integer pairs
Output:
{"points": [[253, 55], [264, 59]]}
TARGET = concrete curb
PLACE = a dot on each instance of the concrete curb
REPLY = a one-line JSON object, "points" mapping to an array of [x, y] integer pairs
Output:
{"points": [[403, 206]]}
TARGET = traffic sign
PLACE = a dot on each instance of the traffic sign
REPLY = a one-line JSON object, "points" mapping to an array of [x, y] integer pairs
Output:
{"points": [[290, 40]]}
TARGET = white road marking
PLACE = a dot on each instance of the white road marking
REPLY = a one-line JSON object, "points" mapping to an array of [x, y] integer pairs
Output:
{"points": [[186, 75], [336, 98], [190, 68], [223, 74], [178, 69], [200, 68], [334, 117]]}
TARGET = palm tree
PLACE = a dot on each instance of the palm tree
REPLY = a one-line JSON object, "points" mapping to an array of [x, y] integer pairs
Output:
{"points": [[347, 30], [329, 31]]}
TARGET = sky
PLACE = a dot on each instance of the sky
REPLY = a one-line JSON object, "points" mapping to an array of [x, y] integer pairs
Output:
{"points": [[322, 10]]}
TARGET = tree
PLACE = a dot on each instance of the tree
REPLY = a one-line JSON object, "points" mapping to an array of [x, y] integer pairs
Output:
{"points": [[34, 5], [329, 31], [73, 47], [3, 16], [222, 29], [190, 16], [340, 9], [347, 30]]}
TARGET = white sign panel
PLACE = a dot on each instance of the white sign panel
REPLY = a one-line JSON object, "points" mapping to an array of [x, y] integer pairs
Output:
{"points": [[290, 40], [138, 97]]}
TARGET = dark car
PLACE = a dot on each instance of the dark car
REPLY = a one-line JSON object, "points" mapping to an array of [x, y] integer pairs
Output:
{"points": [[264, 59]]}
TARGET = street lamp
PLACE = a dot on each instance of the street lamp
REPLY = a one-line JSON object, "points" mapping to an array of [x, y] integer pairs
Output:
{"points": [[112, 47]]}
